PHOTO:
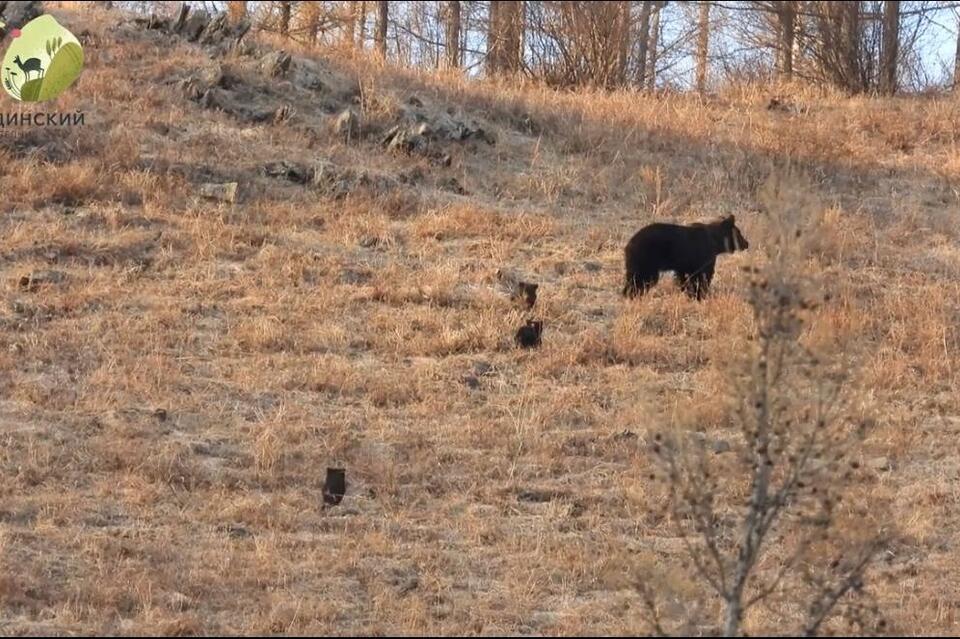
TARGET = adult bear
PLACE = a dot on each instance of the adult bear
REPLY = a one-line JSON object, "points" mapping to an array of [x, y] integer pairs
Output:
{"points": [[689, 251]]}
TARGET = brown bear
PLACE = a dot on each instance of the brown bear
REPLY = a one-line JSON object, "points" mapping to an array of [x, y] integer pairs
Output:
{"points": [[689, 251]]}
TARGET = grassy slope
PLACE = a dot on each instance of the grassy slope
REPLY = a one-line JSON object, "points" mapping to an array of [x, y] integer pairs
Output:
{"points": [[277, 344]]}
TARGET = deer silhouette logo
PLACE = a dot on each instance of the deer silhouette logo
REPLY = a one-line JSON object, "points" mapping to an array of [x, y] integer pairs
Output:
{"points": [[33, 64], [42, 60]]}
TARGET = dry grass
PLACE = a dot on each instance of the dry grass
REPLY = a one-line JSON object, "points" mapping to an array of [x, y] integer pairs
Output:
{"points": [[169, 408]]}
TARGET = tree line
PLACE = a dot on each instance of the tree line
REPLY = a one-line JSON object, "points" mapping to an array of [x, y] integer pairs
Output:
{"points": [[870, 46]]}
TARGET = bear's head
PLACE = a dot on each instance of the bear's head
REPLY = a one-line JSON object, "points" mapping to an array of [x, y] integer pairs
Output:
{"points": [[729, 237]]}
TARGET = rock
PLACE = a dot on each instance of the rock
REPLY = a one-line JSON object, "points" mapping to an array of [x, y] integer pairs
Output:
{"points": [[592, 267], [404, 579], [213, 76], [221, 30], [452, 185], [721, 446], [340, 182], [776, 104], [347, 125], [369, 241], [413, 176], [414, 101], [471, 382], [288, 170], [309, 80], [403, 140], [333, 180], [423, 129], [280, 114], [213, 28], [34, 281], [539, 496], [525, 123], [482, 368], [276, 64], [194, 25], [194, 90], [354, 276], [235, 531], [17, 14], [154, 22], [181, 18], [179, 602], [226, 192], [544, 619], [879, 464]]}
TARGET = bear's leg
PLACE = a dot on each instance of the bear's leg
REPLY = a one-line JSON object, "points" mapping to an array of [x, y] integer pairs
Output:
{"points": [[700, 285], [704, 280], [687, 283], [697, 285], [640, 283]]}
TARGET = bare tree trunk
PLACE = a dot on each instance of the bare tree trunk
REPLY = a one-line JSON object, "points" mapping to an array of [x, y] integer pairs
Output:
{"points": [[512, 23], [851, 45], [493, 39], [350, 24], [889, 51], [380, 37], [703, 46], [311, 13], [623, 38], [362, 18], [654, 45], [787, 22], [956, 63], [505, 36], [453, 34], [236, 11], [285, 18], [643, 41]]}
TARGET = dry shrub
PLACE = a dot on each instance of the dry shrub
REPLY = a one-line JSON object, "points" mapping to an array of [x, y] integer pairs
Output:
{"points": [[773, 499]]}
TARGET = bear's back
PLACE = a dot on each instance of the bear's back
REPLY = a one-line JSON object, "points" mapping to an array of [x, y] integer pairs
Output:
{"points": [[672, 247]]}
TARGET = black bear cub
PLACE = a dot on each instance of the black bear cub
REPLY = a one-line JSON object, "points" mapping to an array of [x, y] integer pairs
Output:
{"points": [[689, 251], [528, 336]]}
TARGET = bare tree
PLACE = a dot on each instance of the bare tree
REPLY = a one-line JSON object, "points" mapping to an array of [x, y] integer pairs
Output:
{"points": [[285, 11], [580, 43], [623, 41], [236, 11], [643, 41], [453, 34], [956, 62], [760, 522], [311, 21], [653, 48], [505, 36], [380, 35], [703, 46], [362, 19], [787, 27], [890, 50], [350, 24], [837, 46]]}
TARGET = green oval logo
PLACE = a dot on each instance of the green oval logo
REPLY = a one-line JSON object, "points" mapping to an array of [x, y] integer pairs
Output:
{"points": [[41, 62]]}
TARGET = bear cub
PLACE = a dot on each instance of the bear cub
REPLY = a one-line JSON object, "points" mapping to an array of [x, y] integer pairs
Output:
{"points": [[689, 251]]}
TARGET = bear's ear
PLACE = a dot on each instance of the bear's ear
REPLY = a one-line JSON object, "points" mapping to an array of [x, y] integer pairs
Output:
{"points": [[731, 219]]}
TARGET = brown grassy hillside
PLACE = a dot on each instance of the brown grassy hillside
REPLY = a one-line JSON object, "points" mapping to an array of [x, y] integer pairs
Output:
{"points": [[171, 399]]}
